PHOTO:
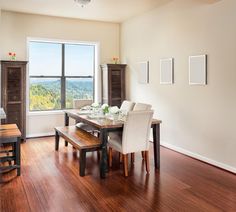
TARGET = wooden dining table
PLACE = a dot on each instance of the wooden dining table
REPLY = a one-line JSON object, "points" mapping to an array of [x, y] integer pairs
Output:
{"points": [[105, 125]]}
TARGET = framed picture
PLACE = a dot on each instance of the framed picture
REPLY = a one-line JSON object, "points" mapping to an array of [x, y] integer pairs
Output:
{"points": [[166, 71], [198, 70], [143, 72]]}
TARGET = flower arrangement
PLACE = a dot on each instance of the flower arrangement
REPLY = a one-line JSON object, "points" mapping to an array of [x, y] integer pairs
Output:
{"points": [[105, 108], [12, 55], [115, 60], [114, 110], [95, 105]]}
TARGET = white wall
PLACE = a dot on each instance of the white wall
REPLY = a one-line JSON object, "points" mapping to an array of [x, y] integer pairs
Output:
{"points": [[197, 120], [16, 27]]}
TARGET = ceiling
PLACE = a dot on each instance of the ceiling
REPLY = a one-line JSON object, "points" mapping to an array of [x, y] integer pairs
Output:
{"points": [[102, 10]]}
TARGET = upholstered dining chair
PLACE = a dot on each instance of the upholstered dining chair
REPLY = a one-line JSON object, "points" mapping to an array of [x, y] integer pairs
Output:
{"points": [[135, 137], [137, 107], [127, 106], [142, 106], [78, 104]]}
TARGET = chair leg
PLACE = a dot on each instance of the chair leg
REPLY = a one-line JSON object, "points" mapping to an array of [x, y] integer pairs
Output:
{"points": [[147, 161], [110, 157], [120, 157], [132, 157], [143, 155], [125, 157]]}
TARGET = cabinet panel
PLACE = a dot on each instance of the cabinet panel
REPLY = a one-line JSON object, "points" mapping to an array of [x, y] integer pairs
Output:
{"points": [[113, 84], [14, 115], [14, 84], [13, 93]]}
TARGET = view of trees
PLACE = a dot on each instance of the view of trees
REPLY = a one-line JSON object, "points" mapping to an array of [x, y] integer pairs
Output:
{"points": [[46, 94]]}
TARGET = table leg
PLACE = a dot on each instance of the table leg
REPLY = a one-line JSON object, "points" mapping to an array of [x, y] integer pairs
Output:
{"points": [[66, 124], [18, 155], [57, 139], [156, 145], [103, 162]]}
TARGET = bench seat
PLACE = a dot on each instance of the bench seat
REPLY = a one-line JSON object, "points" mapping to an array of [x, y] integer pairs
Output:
{"points": [[79, 139]]}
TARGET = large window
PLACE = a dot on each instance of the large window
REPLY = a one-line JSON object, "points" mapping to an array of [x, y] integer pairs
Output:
{"points": [[59, 73]]}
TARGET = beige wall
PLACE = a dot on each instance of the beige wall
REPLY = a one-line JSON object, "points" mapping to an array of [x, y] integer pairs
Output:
{"points": [[16, 27], [197, 120]]}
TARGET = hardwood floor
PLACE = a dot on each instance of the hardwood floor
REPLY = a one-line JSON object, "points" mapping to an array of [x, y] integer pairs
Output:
{"points": [[50, 181]]}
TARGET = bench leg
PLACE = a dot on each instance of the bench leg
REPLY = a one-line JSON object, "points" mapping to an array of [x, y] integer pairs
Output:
{"points": [[57, 138], [18, 155], [82, 162]]}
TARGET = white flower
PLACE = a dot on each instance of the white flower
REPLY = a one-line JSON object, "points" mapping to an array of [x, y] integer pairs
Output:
{"points": [[114, 110], [105, 106], [95, 104]]}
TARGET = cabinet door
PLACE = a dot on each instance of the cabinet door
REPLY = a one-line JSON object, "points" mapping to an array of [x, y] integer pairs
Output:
{"points": [[14, 96], [116, 89], [14, 84]]}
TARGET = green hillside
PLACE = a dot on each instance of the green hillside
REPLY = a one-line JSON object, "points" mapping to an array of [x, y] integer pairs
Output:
{"points": [[45, 95]]}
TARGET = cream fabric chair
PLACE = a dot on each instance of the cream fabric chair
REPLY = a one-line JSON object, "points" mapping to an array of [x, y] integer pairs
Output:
{"points": [[127, 106], [135, 137], [78, 104], [142, 106], [138, 107]]}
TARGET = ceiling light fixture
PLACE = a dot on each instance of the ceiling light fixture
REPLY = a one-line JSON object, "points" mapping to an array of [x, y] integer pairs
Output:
{"points": [[82, 2]]}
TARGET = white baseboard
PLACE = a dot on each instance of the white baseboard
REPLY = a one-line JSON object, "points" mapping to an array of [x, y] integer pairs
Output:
{"points": [[40, 135], [199, 157]]}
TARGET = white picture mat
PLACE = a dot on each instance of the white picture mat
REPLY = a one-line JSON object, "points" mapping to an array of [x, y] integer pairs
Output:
{"points": [[197, 70], [143, 72], [166, 71]]}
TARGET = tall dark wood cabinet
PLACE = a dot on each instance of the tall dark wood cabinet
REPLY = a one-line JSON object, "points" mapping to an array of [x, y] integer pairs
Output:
{"points": [[113, 84], [13, 93]]}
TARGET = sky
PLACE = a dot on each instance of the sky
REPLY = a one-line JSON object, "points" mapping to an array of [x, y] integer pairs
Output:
{"points": [[45, 59]]}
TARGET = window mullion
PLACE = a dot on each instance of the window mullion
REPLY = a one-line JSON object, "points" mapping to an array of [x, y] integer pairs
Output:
{"points": [[63, 81]]}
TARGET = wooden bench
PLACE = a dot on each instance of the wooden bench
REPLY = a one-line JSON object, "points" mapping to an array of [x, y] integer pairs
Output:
{"points": [[79, 139]]}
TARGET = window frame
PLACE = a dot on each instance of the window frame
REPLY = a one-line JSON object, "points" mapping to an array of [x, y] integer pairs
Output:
{"points": [[63, 77]]}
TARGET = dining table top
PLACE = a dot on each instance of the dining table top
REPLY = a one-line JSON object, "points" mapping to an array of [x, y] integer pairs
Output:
{"points": [[101, 122], [9, 131]]}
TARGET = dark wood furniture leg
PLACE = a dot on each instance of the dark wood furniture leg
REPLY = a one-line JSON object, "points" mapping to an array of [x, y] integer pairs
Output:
{"points": [[82, 162], [66, 124], [125, 158], [18, 156], [57, 139], [156, 145], [103, 162]]}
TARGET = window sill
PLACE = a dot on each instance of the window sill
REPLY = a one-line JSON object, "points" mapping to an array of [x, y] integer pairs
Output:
{"points": [[45, 113]]}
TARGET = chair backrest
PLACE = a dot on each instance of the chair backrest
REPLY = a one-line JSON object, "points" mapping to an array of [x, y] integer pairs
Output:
{"points": [[136, 131], [142, 106], [79, 103], [127, 106]]}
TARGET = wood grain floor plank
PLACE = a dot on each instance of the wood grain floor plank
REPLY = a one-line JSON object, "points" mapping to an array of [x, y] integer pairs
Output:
{"points": [[50, 181]]}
